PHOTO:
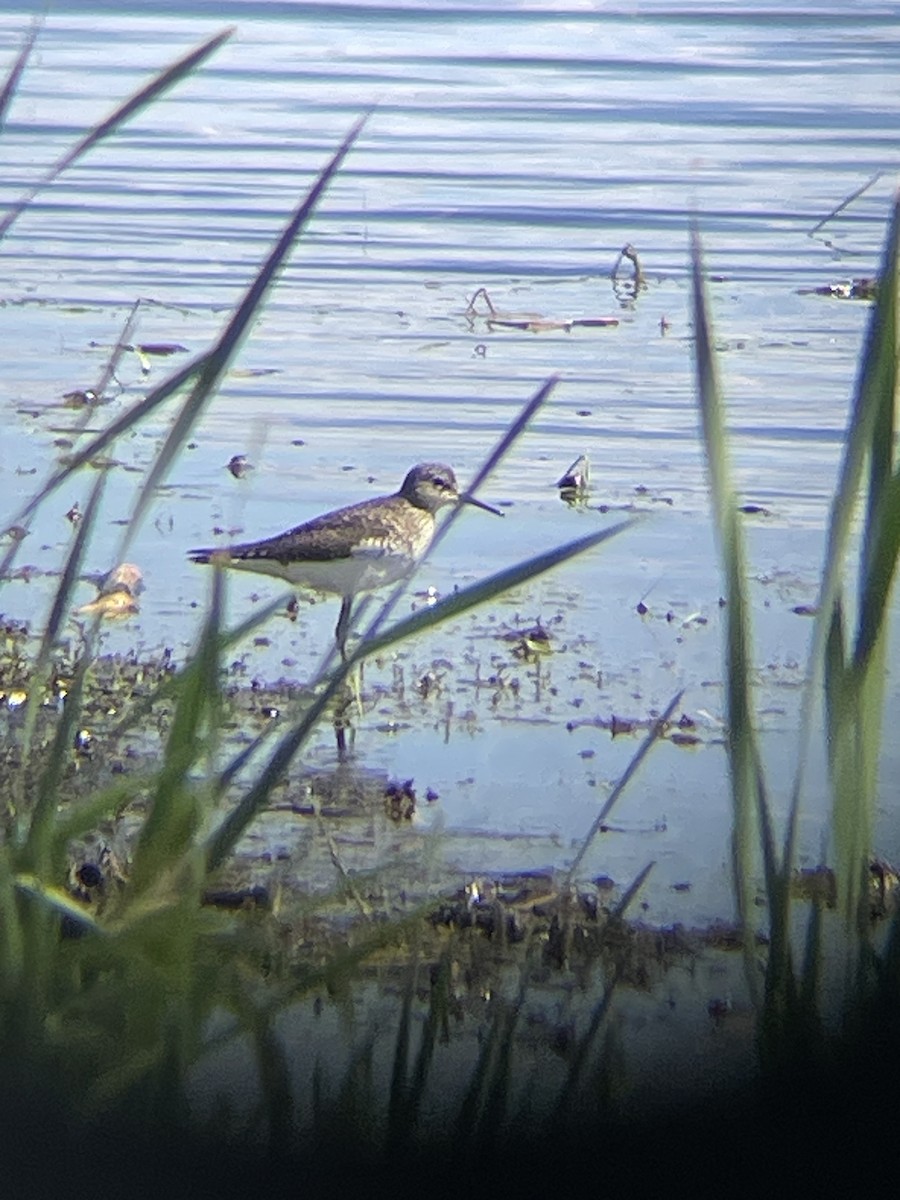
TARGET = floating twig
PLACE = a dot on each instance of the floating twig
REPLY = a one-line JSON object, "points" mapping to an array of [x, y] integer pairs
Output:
{"points": [[629, 254], [532, 322]]}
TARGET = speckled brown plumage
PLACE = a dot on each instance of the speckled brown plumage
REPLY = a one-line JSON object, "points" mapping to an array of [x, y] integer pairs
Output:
{"points": [[353, 549]]}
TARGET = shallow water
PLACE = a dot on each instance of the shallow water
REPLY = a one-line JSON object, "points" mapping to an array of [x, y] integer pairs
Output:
{"points": [[516, 149]]}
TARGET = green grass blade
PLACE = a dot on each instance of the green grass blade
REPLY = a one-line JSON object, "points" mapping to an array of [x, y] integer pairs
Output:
{"points": [[169, 688], [38, 852], [86, 814], [146, 95], [743, 752], [174, 814], [882, 448], [46, 802], [12, 935], [56, 901], [854, 696], [876, 379], [878, 569]]}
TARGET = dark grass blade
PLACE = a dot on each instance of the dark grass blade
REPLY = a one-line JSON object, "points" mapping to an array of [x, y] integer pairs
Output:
{"points": [[507, 439], [496, 1093], [581, 1055], [206, 369], [403, 1114], [222, 353], [146, 95], [120, 348], [399, 1112], [632, 890], [478, 593], [88, 414], [100, 443], [569, 1096], [12, 80], [470, 1135], [274, 1077], [504, 443], [225, 837], [848, 200], [511, 435]]}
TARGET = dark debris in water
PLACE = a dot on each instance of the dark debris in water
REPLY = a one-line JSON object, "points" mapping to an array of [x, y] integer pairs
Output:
{"points": [[239, 465], [754, 510], [819, 885], [574, 483], [682, 732], [81, 398], [864, 288], [530, 643], [400, 801], [574, 926]]}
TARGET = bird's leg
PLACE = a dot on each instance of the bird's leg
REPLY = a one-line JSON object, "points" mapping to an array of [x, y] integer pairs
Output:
{"points": [[351, 686], [343, 626]]}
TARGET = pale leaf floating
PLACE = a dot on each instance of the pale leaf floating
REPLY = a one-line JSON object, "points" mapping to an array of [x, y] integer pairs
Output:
{"points": [[118, 594]]}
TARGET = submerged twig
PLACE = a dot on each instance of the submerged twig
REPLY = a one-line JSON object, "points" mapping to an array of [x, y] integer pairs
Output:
{"points": [[846, 202], [655, 732], [482, 293]]}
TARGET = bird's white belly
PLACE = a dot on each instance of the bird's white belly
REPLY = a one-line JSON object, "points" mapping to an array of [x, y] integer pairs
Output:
{"points": [[367, 568]]}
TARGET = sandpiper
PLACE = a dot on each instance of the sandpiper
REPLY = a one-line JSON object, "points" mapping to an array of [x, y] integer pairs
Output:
{"points": [[354, 549]]}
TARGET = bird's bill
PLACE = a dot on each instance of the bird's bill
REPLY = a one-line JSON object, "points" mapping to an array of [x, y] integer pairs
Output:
{"points": [[465, 498]]}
